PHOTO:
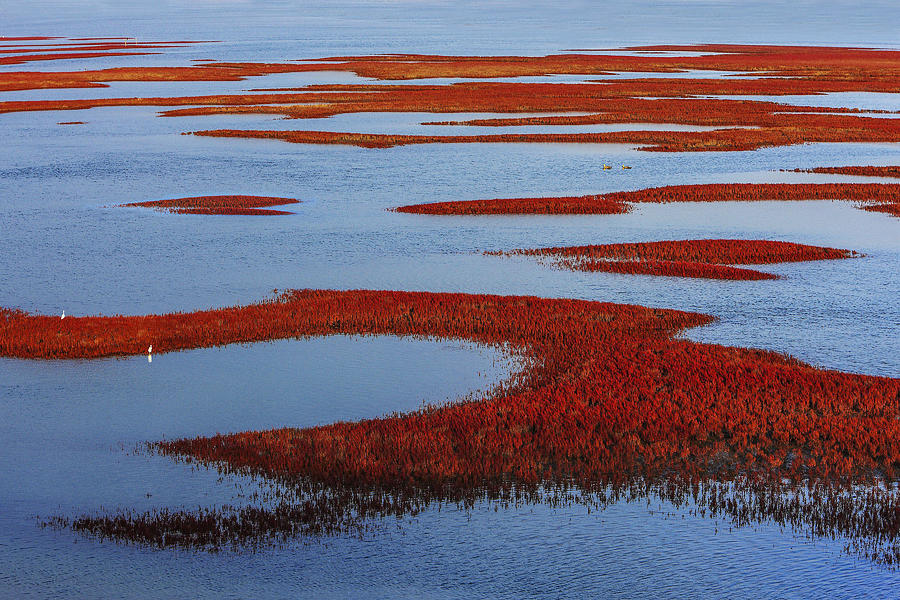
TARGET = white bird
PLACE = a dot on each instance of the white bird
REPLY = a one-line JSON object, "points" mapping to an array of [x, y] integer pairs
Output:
{"points": [[150, 349], [63, 316]]}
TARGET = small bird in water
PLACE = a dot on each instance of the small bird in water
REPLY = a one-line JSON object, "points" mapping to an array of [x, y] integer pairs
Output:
{"points": [[605, 166], [625, 167], [150, 349], [63, 316]]}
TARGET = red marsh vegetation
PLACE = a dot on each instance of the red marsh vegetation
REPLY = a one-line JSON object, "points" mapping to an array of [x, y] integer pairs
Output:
{"points": [[889, 171], [610, 404], [76, 48], [841, 69], [220, 205], [743, 125], [870, 196], [683, 258]]}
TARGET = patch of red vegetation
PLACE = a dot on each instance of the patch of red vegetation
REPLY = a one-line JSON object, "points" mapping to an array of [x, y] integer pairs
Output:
{"points": [[660, 141], [683, 258], [215, 71], [76, 48], [567, 205], [871, 196], [31, 38], [776, 125], [23, 58], [889, 205], [861, 171], [891, 208], [777, 71], [71, 123], [844, 69], [220, 205], [610, 398]]}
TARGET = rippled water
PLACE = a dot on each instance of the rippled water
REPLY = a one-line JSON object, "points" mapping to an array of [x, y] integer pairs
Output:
{"points": [[68, 429]]}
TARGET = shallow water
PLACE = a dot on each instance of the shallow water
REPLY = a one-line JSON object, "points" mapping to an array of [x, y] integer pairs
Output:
{"points": [[68, 429]]}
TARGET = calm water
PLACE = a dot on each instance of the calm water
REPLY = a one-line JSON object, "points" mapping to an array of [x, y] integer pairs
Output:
{"points": [[67, 429]]}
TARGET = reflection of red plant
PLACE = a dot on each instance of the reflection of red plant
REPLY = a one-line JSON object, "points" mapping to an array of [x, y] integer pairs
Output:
{"points": [[609, 395], [684, 258], [870, 195], [220, 205]]}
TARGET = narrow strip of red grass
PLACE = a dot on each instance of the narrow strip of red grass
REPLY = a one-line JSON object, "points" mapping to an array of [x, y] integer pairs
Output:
{"points": [[871, 196], [887, 171], [220, 205], [718, 140], [684, 258], [567, 205]]}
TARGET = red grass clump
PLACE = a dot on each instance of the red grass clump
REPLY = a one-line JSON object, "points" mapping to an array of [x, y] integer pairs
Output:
{"points": [[684, 258], [861, 171], [568, 205], [871, 196], [721, 140], [891, 208], [220, 205], [610, 398]]}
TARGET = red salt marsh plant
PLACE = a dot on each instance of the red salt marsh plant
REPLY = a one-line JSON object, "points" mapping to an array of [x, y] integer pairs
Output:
{"points": [[611, 403], [720, 140], [884, 171], [782, 68], [870, 196], [13, 54], [743, 125], [683, 258], [220, 205], [889, 205]]}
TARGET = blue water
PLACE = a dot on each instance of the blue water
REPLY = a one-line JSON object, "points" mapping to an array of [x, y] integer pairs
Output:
{"points": [[68, 429]]}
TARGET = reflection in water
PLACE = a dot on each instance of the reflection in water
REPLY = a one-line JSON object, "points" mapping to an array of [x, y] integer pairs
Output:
{"points": [[864, 520]]}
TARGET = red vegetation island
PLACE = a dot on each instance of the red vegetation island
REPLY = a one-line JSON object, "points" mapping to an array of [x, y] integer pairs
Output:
{"points": [[683, 258], [220, 205], [611, 403], [870, 196], [889, 171]]}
